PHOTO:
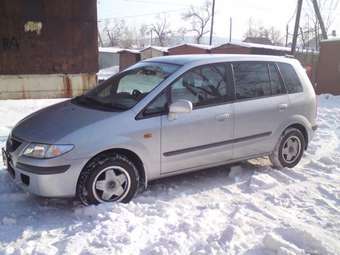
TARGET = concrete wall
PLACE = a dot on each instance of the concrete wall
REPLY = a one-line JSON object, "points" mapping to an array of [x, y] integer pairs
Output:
{"points": [[45, 86], [44, 40]]}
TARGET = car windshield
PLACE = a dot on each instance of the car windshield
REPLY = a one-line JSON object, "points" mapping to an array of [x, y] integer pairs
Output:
{"points": [[124, 90]]}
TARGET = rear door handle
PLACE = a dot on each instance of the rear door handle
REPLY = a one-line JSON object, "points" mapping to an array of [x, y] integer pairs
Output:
{"points": [[223, 117], [283, 107]]}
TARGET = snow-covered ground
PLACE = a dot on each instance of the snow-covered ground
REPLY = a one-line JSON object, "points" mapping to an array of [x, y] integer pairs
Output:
{"points": [[250, 209]]}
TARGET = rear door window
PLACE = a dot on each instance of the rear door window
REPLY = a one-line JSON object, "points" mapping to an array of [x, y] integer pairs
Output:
{"points": [[290, 78], [252, 80]]}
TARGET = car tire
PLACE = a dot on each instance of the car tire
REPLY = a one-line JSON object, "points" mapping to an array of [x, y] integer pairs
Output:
{"points": [[109, 177], [289, 149]]}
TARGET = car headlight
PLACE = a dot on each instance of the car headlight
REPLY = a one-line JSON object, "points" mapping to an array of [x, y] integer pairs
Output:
{"points": [[36, 150]]}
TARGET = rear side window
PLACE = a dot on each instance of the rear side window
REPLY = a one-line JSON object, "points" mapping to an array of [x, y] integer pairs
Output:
{"points": [[251, 80], [290, 78], [276, 81]]}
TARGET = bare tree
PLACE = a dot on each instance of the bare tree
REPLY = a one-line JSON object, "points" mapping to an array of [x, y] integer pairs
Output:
{"points": [[114, 31], [200, 19], [275, 36], [143, 33], [327, 8], [127, 38], [259, 33], [161, 29], [310, 34], [118, 34], [181, 32]]}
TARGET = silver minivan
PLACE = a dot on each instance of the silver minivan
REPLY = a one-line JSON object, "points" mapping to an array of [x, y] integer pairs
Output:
{"points": [[164, 116]]}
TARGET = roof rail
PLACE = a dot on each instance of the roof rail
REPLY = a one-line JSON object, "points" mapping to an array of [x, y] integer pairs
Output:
{"points": [[289, 56]]}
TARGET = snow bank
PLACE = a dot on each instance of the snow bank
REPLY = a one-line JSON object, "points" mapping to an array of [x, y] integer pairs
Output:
{"points": [[245, 209]]}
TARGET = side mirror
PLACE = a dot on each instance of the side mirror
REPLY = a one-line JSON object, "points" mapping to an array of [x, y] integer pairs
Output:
{"points": [[180, 106]]}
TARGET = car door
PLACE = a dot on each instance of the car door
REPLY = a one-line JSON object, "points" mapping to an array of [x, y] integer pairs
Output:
{"points": [[260, 108], [202, 137]]}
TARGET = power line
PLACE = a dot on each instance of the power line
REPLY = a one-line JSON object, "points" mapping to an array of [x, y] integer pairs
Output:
{"points": [[156, 2], [291, 18], [141, 15]]}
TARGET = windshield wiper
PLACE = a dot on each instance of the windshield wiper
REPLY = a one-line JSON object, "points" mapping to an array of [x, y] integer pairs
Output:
{"points": [[108, 105], [90, 101], [119, 106]]}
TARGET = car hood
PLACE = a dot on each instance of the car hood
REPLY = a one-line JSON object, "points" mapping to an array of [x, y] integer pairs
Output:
{"points": [[55, 122]]}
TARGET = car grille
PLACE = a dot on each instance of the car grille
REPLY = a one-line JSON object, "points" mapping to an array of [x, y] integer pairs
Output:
{"points": [[12, 144]]}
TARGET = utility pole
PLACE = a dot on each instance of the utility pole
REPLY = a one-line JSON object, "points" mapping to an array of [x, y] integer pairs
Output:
{"points": [[212, 22], [322, 24], [287, 34], [230, 29], [101, 44], [297, 25], [151, 37]]}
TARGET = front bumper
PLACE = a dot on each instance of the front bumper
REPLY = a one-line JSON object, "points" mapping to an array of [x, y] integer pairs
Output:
{"points": [[45, 180]]}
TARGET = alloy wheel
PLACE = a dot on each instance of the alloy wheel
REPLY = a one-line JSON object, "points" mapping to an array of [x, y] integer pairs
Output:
{"points": [[291, 149], [111, 184]]}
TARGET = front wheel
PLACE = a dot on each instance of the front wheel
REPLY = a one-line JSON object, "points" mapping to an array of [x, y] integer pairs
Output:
{"points": [[289, 150], [108, 178]]}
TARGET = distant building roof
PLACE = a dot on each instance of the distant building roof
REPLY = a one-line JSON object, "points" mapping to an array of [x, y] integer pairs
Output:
{"points": [[159, 48], [195, 45], [335, 39], [203, 58], [135, 51], [259, 40], [256, 45], [109, 49]]}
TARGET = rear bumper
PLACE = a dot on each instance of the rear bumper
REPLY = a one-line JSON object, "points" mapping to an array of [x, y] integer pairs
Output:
{"points": [[311, 132]]}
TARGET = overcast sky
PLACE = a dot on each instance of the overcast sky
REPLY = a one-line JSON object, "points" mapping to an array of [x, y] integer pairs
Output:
{"points": [[266, 12]]}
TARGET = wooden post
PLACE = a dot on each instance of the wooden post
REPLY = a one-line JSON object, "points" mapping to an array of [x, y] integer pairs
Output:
{"points": [[230, 29], [297, 25], [287, 34], [322, 24]]}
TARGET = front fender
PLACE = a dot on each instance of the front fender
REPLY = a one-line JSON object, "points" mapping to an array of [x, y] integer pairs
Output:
{"points": [[126, 143]]}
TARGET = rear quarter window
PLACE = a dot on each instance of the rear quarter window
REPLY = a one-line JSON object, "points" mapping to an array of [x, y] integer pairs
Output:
{"points": [[290, 78]]}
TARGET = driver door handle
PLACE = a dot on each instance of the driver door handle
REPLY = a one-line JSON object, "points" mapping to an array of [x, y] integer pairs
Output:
{"points": [[223, 117]]}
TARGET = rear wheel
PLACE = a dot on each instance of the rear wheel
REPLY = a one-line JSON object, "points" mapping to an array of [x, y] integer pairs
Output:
{"points": [[289, 150], [108, 178]]}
